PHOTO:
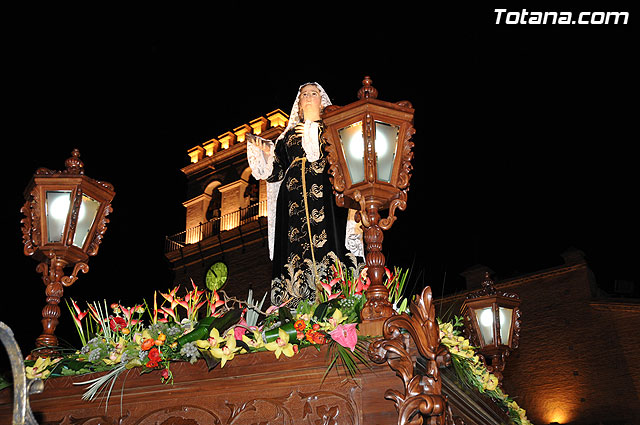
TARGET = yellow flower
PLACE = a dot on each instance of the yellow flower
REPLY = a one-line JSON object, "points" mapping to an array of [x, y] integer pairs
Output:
{"points": [[39, 369], [227, 352], [492, 384], [114, 358], [281, 345], [489, 381], [336, 319], [213, 341], [137, 338], [449, 342], [446, 328], [256, 342]]}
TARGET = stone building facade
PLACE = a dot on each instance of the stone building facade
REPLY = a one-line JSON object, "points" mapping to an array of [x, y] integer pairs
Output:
{"points": [[579, 347], [225, 213]]}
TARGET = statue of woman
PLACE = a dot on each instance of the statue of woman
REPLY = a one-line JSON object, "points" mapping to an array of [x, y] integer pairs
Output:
{"points": [[307, 231]]}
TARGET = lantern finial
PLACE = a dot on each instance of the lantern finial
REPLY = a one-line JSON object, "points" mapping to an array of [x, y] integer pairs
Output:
{"points": [[73, 163], [367, 91], [487, 284]]}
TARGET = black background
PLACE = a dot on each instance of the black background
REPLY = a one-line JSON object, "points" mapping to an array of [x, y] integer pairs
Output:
{"points": [[524, 145]]}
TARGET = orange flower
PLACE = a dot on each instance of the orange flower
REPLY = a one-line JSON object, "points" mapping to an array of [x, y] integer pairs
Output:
{"points": [[299, 325], [147, 344], [319, 338]]}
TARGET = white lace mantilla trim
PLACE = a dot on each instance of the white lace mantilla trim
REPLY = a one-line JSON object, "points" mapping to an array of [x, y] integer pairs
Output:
{"points": [[310, 142], [260, 162]]}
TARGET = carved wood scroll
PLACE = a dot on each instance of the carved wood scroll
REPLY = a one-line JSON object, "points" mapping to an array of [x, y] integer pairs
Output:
{"points": [[422, 393]]}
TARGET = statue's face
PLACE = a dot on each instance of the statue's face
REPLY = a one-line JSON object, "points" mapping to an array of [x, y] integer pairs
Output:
{"points": [[310, 100]]}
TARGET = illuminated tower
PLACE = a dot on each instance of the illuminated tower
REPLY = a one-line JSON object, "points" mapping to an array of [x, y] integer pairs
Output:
{"points": [[225, 214]]}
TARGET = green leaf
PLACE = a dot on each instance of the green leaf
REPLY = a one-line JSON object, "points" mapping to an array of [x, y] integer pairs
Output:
{"points": [[285, 315], [212, 361]]}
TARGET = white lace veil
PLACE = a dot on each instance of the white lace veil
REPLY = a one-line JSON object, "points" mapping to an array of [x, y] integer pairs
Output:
{"points": [[294, 116], [354, 234]]}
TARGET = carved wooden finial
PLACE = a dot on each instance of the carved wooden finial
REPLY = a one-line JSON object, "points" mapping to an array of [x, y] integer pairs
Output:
{"points": [[487, 284], [73, 163], [367, 91]]}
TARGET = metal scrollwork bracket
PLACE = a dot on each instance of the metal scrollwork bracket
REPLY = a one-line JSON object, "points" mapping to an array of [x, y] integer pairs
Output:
{"points": [[22, 388]]}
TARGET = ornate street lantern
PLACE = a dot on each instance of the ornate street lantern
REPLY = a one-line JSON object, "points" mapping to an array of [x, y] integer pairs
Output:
{"points": [[492, 323], [369, 152], [65, 220]]}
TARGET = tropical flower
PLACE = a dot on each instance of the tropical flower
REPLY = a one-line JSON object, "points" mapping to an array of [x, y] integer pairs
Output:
{"points": [[255, 342], [39, 368], [345, 335], [77, 320], [213, 341], [213, 303], [336, 319], [227, 352], [363, 282], [79, 315], [328, 289], [281, 345], [489, 381]]}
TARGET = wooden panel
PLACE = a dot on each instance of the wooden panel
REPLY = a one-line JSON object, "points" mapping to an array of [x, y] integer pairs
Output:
{"points": [[251, 389]]}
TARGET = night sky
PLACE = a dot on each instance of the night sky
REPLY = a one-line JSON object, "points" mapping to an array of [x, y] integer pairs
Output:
{"points": [[523, 137]]}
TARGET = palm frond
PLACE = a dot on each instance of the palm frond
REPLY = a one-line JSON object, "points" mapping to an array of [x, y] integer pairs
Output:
{"points": [[99, 385]]}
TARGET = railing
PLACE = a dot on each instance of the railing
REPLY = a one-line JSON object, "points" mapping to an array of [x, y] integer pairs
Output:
{"points": [[215, 226]]}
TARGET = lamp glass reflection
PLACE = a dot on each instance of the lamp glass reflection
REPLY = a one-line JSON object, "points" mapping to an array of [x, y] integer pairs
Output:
{"points": [[353, 147], [505, 324], [484, 316], [386, 142], [86, 217], [57, 210]]}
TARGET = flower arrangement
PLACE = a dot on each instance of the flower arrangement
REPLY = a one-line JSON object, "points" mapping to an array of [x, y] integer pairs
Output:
{"points": [[347, 282], [473, 372], [200, 324]]}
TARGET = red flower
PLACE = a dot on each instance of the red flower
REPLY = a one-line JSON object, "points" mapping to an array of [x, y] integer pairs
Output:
{"points": [[154, 357], [165, 373], [117, 323], [154, 354]]}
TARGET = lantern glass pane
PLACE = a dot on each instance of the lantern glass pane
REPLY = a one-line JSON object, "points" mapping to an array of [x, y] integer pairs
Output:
{"points": [[57, 210], [505, 324], [86, 217], [484, 316], [386, 143], [353, 147]]}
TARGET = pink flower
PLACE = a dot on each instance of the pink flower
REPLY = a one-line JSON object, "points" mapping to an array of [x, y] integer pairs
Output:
{"points": [[345, 335], [240, 330]]}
